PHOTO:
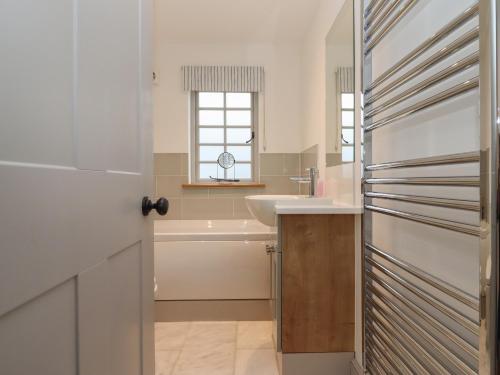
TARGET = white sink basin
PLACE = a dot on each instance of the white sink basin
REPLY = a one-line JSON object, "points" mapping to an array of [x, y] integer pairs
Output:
{"points": [[262, 207]]}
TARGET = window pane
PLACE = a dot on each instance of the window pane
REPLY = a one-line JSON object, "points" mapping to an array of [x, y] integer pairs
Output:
{"points": [[241, 153], [347, 153], [210, 170], [238, 135], [242, 171], [347, 118], [208, 135], [239, 118], [238, 100], [211, 100], [210, 153], [211, 118], [348, 101], [348, 136]]}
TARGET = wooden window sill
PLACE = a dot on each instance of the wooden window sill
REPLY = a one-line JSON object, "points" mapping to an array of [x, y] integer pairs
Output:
{"points": [[225, 185]]}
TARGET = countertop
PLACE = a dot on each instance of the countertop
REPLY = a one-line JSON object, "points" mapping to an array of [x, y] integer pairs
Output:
{"points": [[318, 209]]}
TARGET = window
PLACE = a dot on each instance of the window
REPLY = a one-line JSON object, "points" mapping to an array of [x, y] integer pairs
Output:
{"points": [[347, 123], [224, 122]]}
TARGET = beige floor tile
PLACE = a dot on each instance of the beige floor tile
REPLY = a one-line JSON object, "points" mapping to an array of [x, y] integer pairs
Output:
{"points": [[254, 335], [171, 336], [165, 361], [217, 360], [207, 335], [256, 362]]}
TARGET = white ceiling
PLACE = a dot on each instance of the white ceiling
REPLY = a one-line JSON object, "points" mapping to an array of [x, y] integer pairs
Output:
{"points": [[233, 21]]}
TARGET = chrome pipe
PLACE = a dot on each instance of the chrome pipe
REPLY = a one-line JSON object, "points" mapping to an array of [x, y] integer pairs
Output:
{"points": [[375, 343], [424, 315], [388, 336], [380, 359], [440, 306], [373, 368], [426, 103], [369, 18], [440, 285], [455, 68], [389, 25], [468, 157], [489, 19], [431, 181], [432, 221], [445, 52], [468, 14], [370, 7], [428, 363], [457, 204], [397, 317], [381, 19], [395, 314]]}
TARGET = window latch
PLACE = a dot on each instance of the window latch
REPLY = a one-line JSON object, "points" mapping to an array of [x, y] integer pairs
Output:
{"points": [[251, 139]]}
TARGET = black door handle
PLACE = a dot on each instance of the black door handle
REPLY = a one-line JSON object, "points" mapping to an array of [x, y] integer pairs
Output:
{"points": [[161, 206]]}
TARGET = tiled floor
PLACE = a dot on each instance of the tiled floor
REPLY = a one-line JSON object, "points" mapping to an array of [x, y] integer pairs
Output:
{"points": [[215, 348]]}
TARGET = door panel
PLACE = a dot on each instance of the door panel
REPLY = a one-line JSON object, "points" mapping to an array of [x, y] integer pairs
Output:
{"points": [[108, 85], [76, 257], [39, 337], [36, 45]]}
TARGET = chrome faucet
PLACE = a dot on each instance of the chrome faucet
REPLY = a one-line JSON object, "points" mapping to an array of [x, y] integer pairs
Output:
{"points": [[311, 180]]}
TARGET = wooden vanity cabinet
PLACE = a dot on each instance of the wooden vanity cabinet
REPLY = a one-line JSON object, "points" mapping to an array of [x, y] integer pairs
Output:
{"points": [[317, 283]]}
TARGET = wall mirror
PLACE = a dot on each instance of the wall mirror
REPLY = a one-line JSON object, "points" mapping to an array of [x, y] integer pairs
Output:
{"points": [[340, 88]]}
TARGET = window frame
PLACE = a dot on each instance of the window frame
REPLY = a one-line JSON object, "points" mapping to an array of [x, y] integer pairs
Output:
{"points": [[350, 146], [195, 130]]}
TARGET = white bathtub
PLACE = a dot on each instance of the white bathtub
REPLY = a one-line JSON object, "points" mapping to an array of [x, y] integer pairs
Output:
{"points": [[212, 260]]}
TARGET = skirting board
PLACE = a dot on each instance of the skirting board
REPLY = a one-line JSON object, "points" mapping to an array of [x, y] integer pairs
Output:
{"points": [[315, 363], [219, 310], [356, 368]]}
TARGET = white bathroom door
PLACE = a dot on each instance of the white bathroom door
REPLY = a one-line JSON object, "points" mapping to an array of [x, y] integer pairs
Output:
{"points": [[76, 257]]}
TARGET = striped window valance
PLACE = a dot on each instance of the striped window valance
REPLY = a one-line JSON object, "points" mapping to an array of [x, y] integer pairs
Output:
{"points": [[345, 79], [223, 78]]}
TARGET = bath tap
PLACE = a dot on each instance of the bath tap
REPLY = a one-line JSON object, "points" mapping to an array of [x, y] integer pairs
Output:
{"points": [[311, 180]]}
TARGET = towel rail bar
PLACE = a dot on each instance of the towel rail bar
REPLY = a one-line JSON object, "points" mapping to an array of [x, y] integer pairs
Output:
{"points": [[370, 17], [412, 345], [454, 69], [377, 23], [468, 14], [374, 40], [457, 204], [447, 94], [431, 181], [424, 315], [396, 316], [400, 350], [466, 157], [458, 317], [440, 285]]}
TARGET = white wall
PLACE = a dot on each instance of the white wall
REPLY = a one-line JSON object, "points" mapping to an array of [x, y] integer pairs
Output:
{"points": [[282, 97]]}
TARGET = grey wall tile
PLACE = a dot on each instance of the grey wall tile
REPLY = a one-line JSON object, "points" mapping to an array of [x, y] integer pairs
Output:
{"points": [[280, 185], [291, 165], [184, 159], [272, 164], [241, 210], [170, 186], [234, 192], [168, 164], [206, 209]]}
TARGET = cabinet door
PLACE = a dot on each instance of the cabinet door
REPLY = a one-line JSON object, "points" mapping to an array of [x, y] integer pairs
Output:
{"points": [[318, 283]]}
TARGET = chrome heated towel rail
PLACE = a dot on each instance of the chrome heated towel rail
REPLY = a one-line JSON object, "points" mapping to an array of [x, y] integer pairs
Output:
{"points": [[430, 256]]}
